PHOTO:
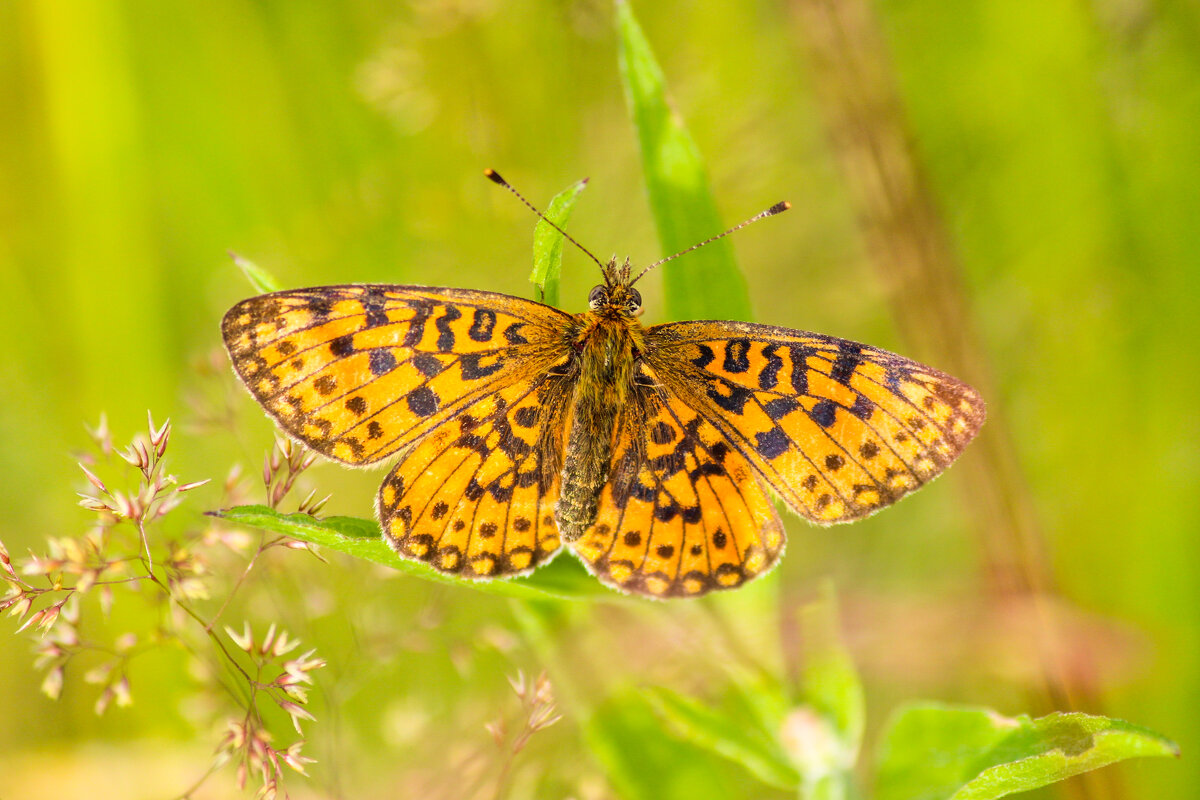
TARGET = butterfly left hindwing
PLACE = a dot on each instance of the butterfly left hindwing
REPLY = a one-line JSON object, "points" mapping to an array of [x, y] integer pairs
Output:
{"points": [[476, 496]]}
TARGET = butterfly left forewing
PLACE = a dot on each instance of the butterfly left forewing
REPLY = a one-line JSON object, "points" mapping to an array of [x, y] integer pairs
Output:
{"points": [[683, 513], [838, 429], [358, 372]]}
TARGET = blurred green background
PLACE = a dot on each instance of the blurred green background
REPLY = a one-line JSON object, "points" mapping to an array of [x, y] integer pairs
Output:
{"points": [[345, 141]]}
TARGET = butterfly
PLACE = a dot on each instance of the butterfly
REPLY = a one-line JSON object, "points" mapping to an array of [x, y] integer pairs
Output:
{"points": [[651, 452]]}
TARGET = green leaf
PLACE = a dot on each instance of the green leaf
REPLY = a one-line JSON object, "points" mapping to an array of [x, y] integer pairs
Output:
{"points": [[259, 278], [705, 284], [642, 763], [934, 752], [727, 736], [563, 578], [548, 243]]}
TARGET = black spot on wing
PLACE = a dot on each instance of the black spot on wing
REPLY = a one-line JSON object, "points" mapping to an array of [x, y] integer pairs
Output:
{"points": [[800, 354], [662, 433], [482, 325], [737, 356], [848, 358], [780, 407], [320, 307], [863, 408], [475, 366], [382, 361], [666, 512], [342, 346], [824, 413], [526, 416], [772, 443], [373, 303], [428, 365], [706, 356], [729, 396], [512, 334], [423, 401], [768, 376], [416, 327], [445, 342]]}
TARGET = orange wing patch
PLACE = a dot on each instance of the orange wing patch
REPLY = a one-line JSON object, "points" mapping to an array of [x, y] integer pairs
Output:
{"points": [[476, 496], [838, 429], [359, 372], [683, 513]]}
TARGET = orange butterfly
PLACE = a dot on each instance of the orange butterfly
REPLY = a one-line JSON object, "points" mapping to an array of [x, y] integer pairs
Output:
{"points": [[648, 450]]}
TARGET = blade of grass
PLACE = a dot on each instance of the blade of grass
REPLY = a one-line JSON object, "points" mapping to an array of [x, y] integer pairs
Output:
{"points": [[259, 278], [705, 284], [548, 243], [563, 578]]}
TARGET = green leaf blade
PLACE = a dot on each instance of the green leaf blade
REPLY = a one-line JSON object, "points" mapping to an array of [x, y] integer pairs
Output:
{"points": [[564, 578], [705, 284], [548, 243], [259, 278]]}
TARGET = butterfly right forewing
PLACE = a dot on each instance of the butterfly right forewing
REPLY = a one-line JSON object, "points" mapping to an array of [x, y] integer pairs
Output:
{"points": [[838, 429]]}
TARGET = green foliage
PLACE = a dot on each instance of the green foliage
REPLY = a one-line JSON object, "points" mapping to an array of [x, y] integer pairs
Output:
{"points": [[929, 752], [934, 752], [548, 243]]}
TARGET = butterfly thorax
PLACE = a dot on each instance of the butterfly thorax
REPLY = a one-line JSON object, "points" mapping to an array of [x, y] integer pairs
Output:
{"points": [[606, 343]]}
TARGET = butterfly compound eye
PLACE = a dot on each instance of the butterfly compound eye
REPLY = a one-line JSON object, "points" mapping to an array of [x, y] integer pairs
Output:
{"points": [[597, 298], [635, 302]]}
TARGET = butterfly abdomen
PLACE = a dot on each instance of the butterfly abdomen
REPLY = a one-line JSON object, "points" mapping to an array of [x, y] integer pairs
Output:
{"points": [[606, 350]]}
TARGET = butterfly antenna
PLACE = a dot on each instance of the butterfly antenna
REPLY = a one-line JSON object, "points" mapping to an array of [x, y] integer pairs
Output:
{"points": [[778, 208], [494, 177]]}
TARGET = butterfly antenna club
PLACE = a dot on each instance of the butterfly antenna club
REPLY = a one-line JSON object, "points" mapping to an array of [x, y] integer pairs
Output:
{"points": [[778, 208], [495, 177]]}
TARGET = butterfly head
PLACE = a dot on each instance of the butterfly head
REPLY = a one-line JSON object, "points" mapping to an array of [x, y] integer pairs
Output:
{"points": [[616, 296]]}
